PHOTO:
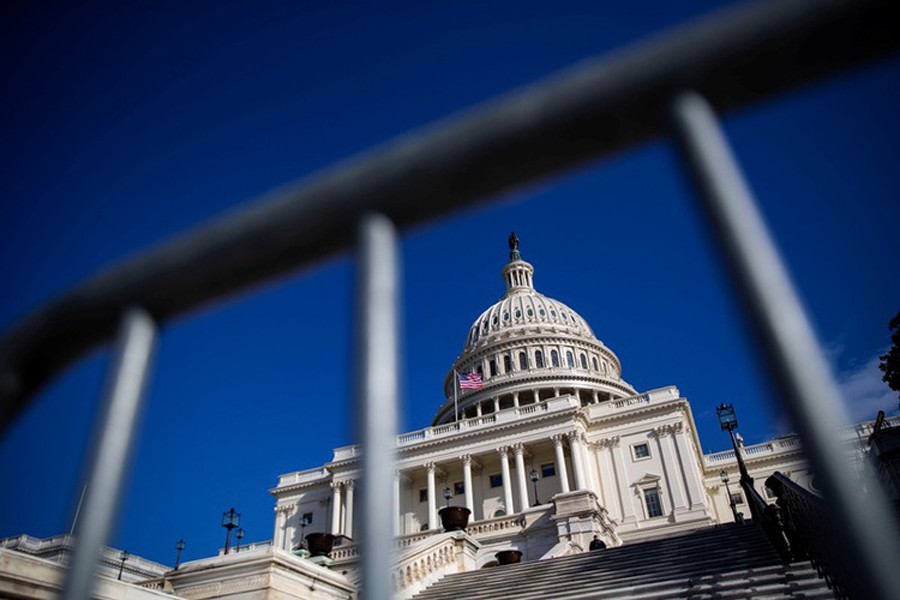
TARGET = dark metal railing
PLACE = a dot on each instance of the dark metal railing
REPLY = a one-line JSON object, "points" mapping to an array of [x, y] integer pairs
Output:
{"points": [[813, 533], [729, 60], [771, 519]]}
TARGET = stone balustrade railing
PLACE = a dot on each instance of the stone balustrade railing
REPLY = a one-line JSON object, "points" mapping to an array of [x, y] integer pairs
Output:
{"points": [[499, 525], [303, 476], [445, 554]]}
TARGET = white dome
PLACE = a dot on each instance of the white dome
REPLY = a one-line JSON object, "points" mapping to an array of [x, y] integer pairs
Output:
{"points": [[532, 345]]}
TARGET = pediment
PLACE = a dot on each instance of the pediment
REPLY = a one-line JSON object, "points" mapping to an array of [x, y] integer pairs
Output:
{"points": [[647, 479]]}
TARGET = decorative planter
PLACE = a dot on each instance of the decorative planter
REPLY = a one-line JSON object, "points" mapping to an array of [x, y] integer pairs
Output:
{"points": [[508, 557], [319, 544], [454, 518]]}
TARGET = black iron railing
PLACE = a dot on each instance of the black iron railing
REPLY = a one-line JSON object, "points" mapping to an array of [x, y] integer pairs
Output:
{"points": [[813, 533], [671, 84]]}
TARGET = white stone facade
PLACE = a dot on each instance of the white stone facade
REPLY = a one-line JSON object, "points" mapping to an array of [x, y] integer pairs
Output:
{"points": [[609, 460]]}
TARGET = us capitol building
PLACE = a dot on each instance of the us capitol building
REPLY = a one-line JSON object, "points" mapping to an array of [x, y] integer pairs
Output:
{"points": [[546, 445], [554, 448]]}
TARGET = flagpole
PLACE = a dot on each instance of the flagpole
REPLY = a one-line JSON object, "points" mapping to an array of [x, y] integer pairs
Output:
{"points": [[455, 396]]}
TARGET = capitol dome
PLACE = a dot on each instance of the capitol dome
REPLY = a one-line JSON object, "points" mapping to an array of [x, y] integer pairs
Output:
{"points": [[527, 348]]}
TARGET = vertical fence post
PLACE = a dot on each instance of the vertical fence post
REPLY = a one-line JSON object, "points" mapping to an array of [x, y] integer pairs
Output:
{"points": [[792, 354], [112, 445], [377, 385]]}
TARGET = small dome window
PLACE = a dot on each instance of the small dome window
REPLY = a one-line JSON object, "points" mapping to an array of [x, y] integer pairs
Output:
{"points": [[494, 320], [543, 314], [506, 316], [596, 366], [518, 314], [530, 313], [485, 326], [584, 362], [552, 313], [565, 318]]}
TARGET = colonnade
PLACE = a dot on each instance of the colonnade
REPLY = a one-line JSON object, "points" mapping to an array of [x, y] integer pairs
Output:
{"points": [[514, 490]]}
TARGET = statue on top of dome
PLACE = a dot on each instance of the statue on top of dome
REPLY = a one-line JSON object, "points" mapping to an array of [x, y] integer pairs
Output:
{"points": [[514, 247]]}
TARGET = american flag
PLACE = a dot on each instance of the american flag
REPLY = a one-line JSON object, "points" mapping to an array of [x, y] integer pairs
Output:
{"points": [[470, 381]]}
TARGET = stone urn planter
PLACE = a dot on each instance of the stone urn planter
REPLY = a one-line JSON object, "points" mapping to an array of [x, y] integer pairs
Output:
{"points": [[319, 544], [508, 557], [454, 518]]}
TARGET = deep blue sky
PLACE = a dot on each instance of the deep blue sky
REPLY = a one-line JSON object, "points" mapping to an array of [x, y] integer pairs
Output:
{"points": [[122, 125]]}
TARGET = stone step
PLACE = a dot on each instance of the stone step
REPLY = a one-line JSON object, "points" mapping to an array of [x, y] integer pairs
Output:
{"points": [[729, 561]]}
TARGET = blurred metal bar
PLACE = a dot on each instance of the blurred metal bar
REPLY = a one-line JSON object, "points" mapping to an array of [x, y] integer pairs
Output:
{"points": [[377, 388], [734, 57], [792, 354], [112, 446]]}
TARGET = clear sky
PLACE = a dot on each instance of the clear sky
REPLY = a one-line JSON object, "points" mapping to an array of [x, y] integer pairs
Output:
{"points": [[123, 125]]}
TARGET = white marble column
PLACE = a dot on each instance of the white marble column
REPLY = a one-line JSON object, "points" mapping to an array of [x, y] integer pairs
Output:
{"points": [[519, 453], [597, 463], [348, 509], [290, 528], [467, 484], [432, 502], [396, 503], [577, 459], [618, 462], [693, 482], [280, 527], [670, 469], [335, 508], [507, 484], [561, 470]]}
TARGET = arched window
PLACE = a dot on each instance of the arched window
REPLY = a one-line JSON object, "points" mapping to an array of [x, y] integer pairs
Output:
{"points": [[596, 366], [570, 360], [584, 362], [507, 363], [523, 361], [539, 359], [554, 358], [493, 366], [480, 370]]}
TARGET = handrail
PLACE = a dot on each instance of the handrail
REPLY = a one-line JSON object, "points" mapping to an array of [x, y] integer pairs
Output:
{"points": [[812, 532], [734, 57]]}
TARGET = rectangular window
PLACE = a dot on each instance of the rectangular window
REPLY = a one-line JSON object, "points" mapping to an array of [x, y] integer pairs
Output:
{"points": [[737, 498], [496, 480], [640, 451], [651, 499], [423, 495], [306, 519], [459, 489], [548, 470]]}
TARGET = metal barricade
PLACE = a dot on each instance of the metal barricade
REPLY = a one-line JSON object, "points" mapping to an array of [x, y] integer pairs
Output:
{"points": [[678, 79]]}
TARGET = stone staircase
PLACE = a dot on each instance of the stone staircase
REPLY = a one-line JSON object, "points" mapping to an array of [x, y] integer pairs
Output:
{"points": [[727, 561]]}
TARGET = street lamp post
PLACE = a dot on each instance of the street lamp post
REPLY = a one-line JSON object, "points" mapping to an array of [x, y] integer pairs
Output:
{"points": [[123, 557], [230, 520], [447, 495], [304, 521], [240, 536], [734, 512], [534, 476], [179, 547], [728, 421]]}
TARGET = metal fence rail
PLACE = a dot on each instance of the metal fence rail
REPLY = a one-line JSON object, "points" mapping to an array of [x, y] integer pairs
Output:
{"points": [[728, 60]]}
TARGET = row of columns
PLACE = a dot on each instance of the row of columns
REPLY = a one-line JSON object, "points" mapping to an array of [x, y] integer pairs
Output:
{"points": [[342, 507], [521, 486], [593, 398]]}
